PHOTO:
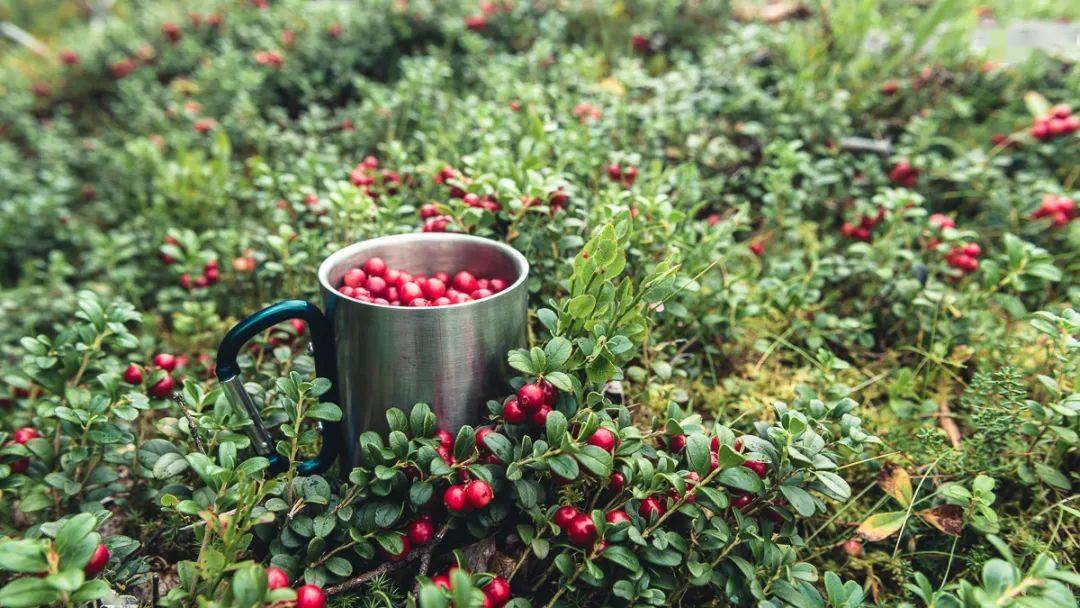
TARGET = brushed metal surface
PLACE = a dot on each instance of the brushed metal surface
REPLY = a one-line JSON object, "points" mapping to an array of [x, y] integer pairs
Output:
{"points": [[451, 357]]}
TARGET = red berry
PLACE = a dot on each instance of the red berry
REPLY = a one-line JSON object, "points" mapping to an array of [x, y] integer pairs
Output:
{"points": [[421, 530], [97, 561], [276, 578], [481, 433], [481, 293], [498, 591], [614, 172], [539, 417], [162, 388], [649, 506], [551, 394], [446, 440], [133, 375], [616, 517], [165, 361], [757, 248], [513, 413], [375, 267], [478, 493], [531, 397], [582, 530], [433, 289], [616, 482], [409, 292], [465, 282], [677, 443], [25, 434], [454, 498], [565, 515], [604, 439], [741, 501], [310, 596], [355, 277], [853, 547], [757, 466], [441, 580]]}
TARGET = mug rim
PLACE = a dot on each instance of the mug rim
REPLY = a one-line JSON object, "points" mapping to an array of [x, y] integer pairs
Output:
{"points": [[331, 261]]}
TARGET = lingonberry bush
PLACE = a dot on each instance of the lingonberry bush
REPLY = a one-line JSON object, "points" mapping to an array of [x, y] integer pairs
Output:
{"points": [[803, 298]]}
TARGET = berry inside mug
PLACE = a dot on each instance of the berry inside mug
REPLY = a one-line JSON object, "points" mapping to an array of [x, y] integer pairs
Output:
{"points": [[412, 318]]}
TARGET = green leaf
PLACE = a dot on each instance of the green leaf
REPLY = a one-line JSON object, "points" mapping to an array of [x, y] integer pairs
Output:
{"points": [[26, 556], [500, 446], [621, 556], [800, 499], [581, 306], [432, 597], [561, 381], [519, 359], [563, 465], [698, 453], [596, 460], [248, 586], [558, 351], [1052, 476], [555, 428], [740, 478], [27, 592]]}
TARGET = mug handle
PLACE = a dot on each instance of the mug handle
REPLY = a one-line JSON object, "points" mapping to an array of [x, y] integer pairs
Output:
{"points": [[228, 374]]}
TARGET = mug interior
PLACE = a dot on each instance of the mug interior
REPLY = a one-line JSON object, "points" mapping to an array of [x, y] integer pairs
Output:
{"points": [[428, 253]]}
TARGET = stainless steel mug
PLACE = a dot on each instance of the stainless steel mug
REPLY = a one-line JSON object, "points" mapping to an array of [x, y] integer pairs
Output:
{"points": [[378, 357]]}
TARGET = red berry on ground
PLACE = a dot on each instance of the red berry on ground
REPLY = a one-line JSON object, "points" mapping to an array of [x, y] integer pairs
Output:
{"points": [[97, 561], [454, 498], [133, 375], [853, 547], [478, 493], [604, 439], [582, 530], [564, 515], [310, 596], [276, 578]]}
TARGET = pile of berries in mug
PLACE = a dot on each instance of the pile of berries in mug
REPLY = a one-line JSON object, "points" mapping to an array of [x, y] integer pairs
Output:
{"points": [[375, 283]]}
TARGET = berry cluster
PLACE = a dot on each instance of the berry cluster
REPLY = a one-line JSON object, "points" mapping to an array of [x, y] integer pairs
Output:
{"points": [[964, 257], [622, 175], [164, 362], [863, 230], [364, 176], [308, 596], [1059, 120], [496, 592], [1060, 209], [532, 404], [374, 283], [903, 174]]}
